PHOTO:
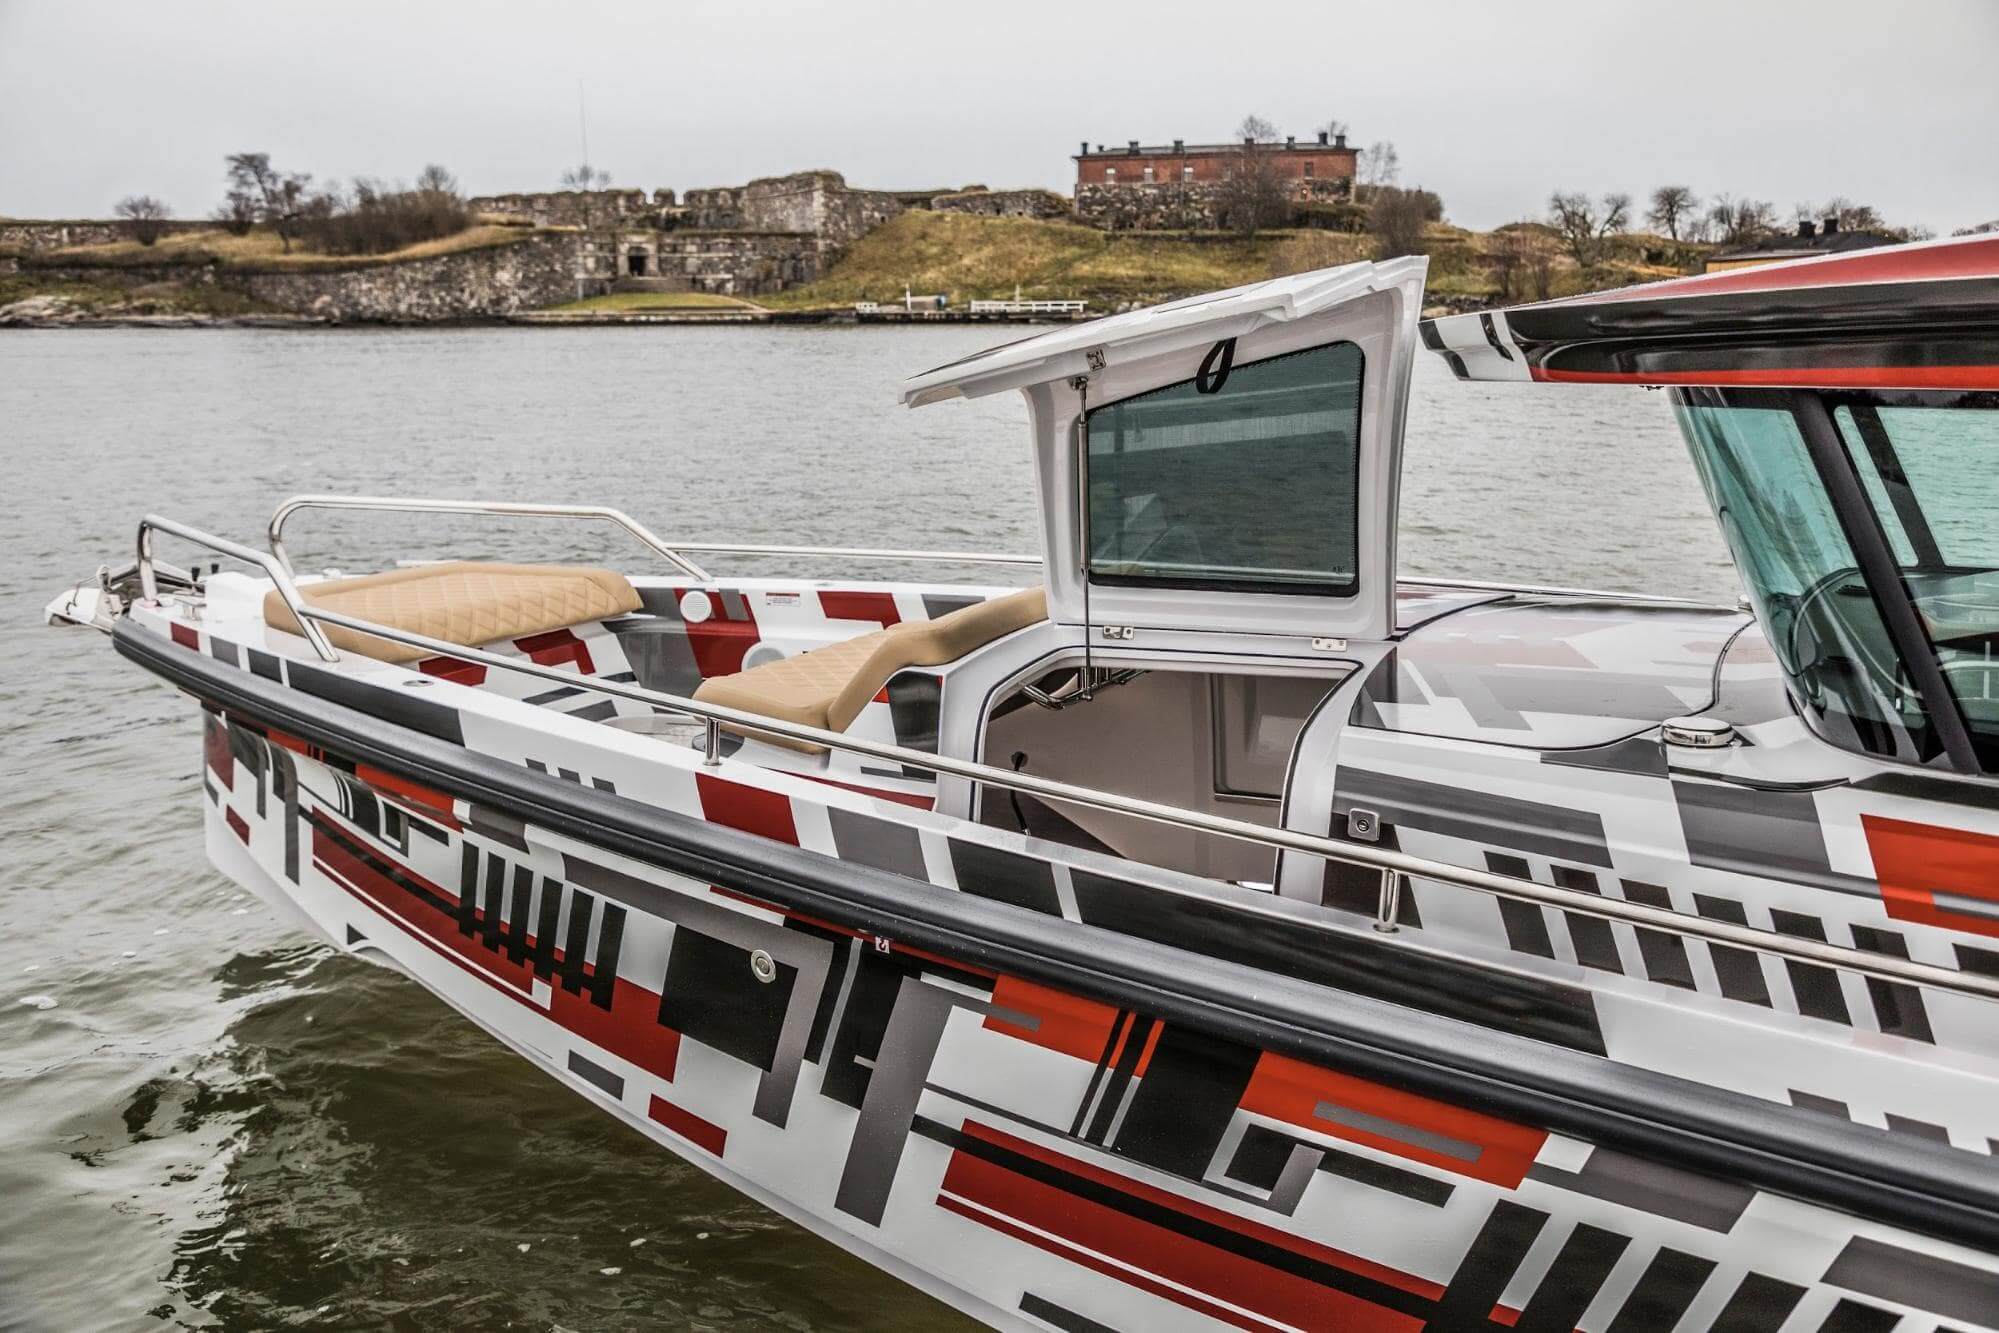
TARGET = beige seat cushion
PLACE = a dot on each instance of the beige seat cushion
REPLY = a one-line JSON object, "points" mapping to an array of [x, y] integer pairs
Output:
{"points": [[463, 602], [828, 687]]}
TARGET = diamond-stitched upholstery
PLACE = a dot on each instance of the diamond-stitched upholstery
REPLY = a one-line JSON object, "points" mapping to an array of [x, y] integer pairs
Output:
{"points": [[462, 602], [828, 687]]}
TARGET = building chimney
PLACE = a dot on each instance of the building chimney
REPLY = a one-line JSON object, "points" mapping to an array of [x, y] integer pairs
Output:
{"points": [[1085, 152], [1131, 146], [1290, 141], [1340, 139], [1179, 145], [1322, 138], [1832, 225], [1249, 141], [1805, 229]]}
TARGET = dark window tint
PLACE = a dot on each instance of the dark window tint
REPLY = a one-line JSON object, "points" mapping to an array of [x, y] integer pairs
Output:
{"points": [[1250, 487]]}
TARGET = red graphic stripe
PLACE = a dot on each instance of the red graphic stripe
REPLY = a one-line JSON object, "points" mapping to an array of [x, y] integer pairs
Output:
{"points": [[876, 606], [1292, 1091], [290, 742], [703, 1134], [629, 1030], [911, 798], [752, 809], [1068, 1023], [1802, 377], [427, 923], [451, 669], [215, 751], [557, 647], [237, 826], [433, 804], [1220, 1274], [187, 636], [1097, 1263], [719, 642], [1915, 862]]}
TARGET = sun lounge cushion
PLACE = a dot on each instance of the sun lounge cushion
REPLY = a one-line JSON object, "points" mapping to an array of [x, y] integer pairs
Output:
{"points": [[462, 602], [828, 687]]}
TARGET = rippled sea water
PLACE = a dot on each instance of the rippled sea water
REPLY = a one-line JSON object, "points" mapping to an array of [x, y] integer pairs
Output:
{"points": [[219, 1124]]}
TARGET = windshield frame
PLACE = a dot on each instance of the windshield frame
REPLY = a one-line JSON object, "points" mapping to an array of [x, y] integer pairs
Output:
{"points": [[1832, 457]]}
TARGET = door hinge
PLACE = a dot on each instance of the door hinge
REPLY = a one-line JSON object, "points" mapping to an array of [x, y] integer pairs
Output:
{"points": [[1118, 631], [1325, 644]]}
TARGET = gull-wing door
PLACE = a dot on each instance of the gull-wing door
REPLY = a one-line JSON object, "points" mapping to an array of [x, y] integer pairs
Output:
{"points": [[1229, 462]]}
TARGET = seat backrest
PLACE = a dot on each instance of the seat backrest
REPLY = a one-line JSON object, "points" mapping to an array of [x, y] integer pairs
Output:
{"points": [[463, 602], [920, 643]]}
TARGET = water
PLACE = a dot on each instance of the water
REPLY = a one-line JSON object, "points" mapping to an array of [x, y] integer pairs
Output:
{"points": [[219, 1125]]}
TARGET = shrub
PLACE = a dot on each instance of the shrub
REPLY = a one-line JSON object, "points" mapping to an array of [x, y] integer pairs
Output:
{"points": [[146, 215], [373, 219]]}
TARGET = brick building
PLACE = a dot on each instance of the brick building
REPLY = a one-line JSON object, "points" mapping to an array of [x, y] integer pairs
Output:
{"points": [[1183, 186], [1326, 161]]}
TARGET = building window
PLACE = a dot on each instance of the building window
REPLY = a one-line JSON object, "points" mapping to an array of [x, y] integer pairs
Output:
{"points": [[1148, 173], [1110, 175], [1308, 171], [1187, 172]]}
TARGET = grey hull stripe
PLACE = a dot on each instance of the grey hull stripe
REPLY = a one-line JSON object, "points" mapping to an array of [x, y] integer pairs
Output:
{"points": [[1476, 816], [812, 957], [909, 1044], [1426, 1139], [1933, 1285], [1652, 1187]]}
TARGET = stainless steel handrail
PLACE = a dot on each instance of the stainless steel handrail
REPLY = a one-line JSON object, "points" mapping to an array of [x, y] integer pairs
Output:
{"points": [[280, 577], [864, 553], [673, 550], [1393, 864], [501, 508]]}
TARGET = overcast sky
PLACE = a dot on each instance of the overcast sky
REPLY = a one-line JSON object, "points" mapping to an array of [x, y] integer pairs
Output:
{"points": [[1491, 104]]}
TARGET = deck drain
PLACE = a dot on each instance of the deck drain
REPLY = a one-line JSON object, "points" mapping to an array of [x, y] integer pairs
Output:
{"points": [[762, 966]]}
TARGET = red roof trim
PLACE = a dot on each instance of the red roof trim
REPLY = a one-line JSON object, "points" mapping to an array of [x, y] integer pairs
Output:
{"points": [[1795, 377], [1966, 257]]}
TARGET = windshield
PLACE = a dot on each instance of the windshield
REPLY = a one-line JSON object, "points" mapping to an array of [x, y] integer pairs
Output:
{"points": [[1243, 478], [1927, 468]]}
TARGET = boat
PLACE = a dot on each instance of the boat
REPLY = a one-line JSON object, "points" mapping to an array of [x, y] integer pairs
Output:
{"points": [[1198, 922]]}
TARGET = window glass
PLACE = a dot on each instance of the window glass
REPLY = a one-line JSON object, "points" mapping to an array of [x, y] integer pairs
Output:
{"points": [[1930, 464], [1249, 487], [1795, 559]]}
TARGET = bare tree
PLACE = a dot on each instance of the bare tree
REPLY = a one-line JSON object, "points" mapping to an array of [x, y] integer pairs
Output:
{"points": [[1251, 195], [434, 179], [277, 196], [147, 216], [586, 180], [1735, 221], [1523, 262], [1583, 227], [1379, 164], [1850, 216], [237, 213], [1395, 219], [1255, 129], [1672, 206]]}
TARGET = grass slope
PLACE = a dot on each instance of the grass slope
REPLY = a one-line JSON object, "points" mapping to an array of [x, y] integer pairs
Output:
{"points": [[975, 257], [262, 249]]}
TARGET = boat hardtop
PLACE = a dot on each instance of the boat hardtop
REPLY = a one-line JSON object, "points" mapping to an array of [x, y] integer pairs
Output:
{"points": [[1199, 922]]}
